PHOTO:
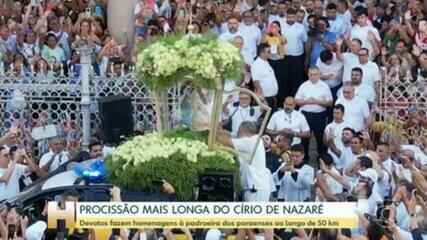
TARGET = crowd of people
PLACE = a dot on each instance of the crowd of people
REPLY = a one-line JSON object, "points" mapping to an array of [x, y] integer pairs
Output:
{"points": [[42, 37], [318, 64]]}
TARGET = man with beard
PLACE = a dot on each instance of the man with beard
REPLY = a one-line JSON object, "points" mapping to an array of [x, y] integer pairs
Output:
{"points": [[233, 30], [342, 153], [371, 71], [289, 121], [251, 34], [349, 59], [360, 90], [333, 137], [280, 16], [320, 39], [296, 35]]}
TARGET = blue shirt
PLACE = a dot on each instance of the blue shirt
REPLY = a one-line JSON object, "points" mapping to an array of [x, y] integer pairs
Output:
{"points": [[318, 47], [338, 26]]}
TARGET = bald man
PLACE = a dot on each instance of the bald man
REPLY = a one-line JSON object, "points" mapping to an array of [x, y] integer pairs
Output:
{"points": [[290, 122]]}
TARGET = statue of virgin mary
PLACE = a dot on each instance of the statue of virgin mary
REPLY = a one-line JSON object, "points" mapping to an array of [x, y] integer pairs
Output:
{"points": [[202, 104]]}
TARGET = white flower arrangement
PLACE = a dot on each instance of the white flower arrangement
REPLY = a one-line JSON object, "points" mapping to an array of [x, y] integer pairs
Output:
{"points": [[153, 146], [205, 60]]}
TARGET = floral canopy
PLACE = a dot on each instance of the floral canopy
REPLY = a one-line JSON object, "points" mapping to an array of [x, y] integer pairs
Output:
{"points": [[203, 60]]}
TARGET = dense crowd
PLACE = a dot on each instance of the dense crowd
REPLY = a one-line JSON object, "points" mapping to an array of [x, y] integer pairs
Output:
{"points": [[317, 64]]}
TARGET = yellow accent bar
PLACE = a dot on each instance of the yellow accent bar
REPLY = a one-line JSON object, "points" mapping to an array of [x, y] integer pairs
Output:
{"points": [[261, 222]]}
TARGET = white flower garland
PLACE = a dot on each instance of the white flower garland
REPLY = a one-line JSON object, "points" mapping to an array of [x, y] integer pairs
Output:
{"points": [[153, 146]]}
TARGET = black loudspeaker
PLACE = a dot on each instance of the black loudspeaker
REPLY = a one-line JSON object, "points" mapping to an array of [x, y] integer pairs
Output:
{"points": [[116, 118], [217, 187]]}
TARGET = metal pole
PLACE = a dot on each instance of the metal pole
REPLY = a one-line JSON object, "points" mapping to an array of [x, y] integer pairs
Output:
{"points": [[85, 62]]}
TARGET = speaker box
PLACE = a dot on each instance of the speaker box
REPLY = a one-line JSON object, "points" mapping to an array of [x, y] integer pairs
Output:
{"points": [[217, 187], [116, 118]]}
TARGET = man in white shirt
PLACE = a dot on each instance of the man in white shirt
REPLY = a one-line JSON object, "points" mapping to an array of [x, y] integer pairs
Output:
{"points": [[56, 156], [344, 153], [241, 111], [295, 178], [233, 30], [255, 178], [360, 90], [296, 36], [403, 170], [350, 60], [263, 76], [387, 166], [371, 72], [281, 14], [329, 186], [357, 113], [332, 137], [337, 24], [313, 97], [250, 33], [289, 121], [419, 151], [366, 33], [330, 71], [349, 158], [11, 171]]}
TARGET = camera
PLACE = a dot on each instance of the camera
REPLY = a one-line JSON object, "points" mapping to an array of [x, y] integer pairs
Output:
{"points": [[383, 211], [11, 231]]}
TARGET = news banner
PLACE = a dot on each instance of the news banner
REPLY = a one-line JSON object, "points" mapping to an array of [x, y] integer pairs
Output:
{"points": [[204, 215]]}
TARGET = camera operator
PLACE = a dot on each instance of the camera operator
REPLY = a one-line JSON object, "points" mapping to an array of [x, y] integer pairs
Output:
{"points": [[404, 200], [11, 171]]}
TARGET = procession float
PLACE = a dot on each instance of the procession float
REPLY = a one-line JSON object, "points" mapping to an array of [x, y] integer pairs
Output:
{"points": [[180, 155]]}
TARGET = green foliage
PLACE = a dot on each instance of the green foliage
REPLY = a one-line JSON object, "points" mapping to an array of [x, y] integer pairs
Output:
{"points": [[127, 172]]}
